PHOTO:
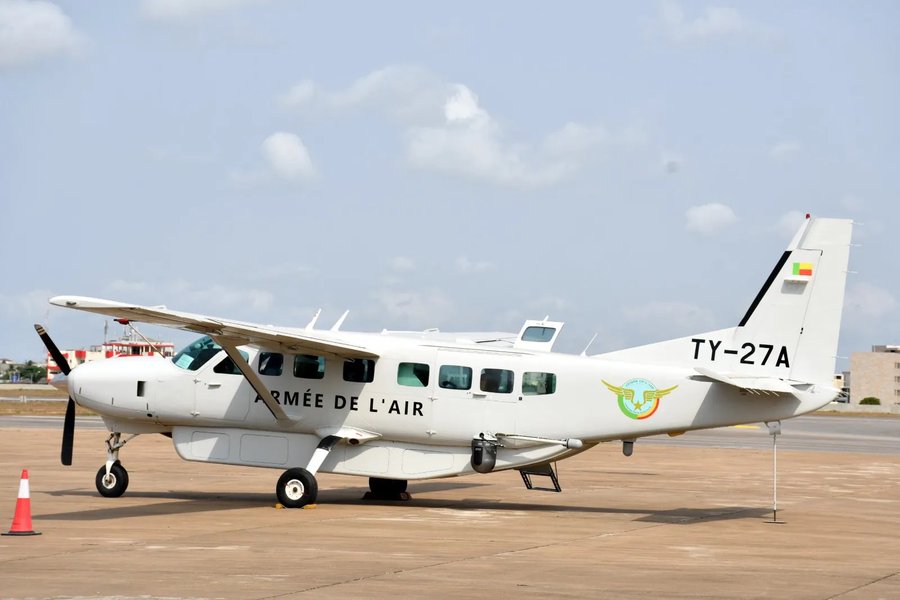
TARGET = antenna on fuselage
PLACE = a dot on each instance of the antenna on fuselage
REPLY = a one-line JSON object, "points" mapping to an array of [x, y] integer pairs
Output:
{"points": [[339, 322], [315, 318], [584, 352]]}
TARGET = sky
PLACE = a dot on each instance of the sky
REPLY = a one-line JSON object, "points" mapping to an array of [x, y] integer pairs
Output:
{"points": [[633, 169]]}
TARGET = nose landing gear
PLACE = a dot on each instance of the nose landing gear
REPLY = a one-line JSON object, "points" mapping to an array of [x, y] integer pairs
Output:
{"points": [[112, 478], [112, 484]]}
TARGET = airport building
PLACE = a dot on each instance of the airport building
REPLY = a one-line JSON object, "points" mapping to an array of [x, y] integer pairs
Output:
{"points": [[128, 345], [876, 374]]}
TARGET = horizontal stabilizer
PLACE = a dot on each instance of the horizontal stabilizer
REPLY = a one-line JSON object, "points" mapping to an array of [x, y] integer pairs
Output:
{"points": [[766, 386]]}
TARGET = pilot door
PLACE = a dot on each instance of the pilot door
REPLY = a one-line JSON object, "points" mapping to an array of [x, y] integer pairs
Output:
{"points": [[221, 393]]}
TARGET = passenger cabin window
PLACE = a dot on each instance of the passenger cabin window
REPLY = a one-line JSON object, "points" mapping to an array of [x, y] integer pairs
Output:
{"points": [[227, 366], [308, 366], [538, 384], [455, 377], [538, 334], [270, 363], [497, 380], [359, 370], [197, 354], [412, 374]]}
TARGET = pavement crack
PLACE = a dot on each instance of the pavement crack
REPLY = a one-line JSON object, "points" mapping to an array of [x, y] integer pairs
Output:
{"points": [[864, 585]]}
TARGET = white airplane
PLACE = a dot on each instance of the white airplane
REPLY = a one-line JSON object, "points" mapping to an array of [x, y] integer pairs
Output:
{"points": [[399, 406]]}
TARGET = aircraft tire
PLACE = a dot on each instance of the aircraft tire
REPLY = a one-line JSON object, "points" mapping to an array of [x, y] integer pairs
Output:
{"points": [[296, 488], [117, 484], [387, 488]]}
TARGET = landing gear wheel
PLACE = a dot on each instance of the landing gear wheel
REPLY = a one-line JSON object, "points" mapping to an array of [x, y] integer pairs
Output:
{"points": [[296, 488], [115, 484], [388, 489]]}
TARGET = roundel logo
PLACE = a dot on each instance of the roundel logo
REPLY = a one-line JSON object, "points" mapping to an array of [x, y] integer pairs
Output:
{"points": [[638, 398]]}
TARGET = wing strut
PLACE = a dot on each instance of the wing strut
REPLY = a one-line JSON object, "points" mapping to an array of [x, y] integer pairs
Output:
{"points": [[253, 379]]}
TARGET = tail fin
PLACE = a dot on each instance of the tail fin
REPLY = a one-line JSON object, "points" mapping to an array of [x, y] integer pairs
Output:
{"points": [[791, 329]]}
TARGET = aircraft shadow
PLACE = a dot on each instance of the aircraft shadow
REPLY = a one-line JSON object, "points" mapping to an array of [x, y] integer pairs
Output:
{"points": [[187, 502], [671, 516]]}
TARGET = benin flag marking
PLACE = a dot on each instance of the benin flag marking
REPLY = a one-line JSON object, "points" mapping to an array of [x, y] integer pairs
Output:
{"points": [[803, 269]]}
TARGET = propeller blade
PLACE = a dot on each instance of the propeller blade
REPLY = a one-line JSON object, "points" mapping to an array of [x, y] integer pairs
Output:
{"points": [[58, 357], [68, 437], [68, 434]]}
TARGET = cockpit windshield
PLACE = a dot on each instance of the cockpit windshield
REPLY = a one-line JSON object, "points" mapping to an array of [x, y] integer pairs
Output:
{"points": [[197, 354]]}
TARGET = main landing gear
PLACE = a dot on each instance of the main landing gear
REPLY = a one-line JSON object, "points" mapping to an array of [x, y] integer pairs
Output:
{"points": [[112, 478], [296, 488], [387, 489]]}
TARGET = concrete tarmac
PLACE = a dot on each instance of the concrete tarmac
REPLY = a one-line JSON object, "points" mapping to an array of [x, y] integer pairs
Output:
{"points": [[673, 521]]}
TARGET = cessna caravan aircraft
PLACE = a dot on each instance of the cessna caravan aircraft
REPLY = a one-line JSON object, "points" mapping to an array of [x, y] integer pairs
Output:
{"points": [[400, 406]]}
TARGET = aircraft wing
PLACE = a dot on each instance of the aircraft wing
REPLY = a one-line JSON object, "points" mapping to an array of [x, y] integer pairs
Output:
{"points": [[267, 336], [754, 385]]}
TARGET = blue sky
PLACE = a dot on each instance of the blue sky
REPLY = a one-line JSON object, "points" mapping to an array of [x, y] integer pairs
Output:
{"points": [[634, 169]]}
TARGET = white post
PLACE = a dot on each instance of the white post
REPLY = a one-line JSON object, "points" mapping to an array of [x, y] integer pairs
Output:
{"points": [[774, 431]]}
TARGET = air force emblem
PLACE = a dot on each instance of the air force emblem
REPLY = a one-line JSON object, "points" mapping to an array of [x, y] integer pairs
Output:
{"points": [[638, 398]]}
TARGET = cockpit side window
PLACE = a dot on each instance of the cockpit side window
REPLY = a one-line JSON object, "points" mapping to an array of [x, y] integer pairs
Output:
{"points": [[270, 363], [197, 354], [227, 366]]}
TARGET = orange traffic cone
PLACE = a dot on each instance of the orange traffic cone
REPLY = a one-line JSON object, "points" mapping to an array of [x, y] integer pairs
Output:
{"points": [[21, 524]]}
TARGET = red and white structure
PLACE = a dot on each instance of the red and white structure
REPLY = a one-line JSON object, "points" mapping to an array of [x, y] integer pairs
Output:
{"points": [[128, 345]]}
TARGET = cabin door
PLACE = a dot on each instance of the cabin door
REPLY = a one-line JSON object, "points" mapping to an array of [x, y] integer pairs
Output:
{"points": [[460, 409]]}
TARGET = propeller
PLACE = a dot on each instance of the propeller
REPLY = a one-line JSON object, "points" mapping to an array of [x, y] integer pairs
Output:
{"points": [[68, 436]]}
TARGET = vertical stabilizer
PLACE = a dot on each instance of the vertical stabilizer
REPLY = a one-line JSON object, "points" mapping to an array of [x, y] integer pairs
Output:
{"points": [[806, 297], [790, 331]]}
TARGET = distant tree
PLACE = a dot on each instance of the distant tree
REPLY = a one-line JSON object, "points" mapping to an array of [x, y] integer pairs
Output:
{"points": [[870, 400], [32, 372]]}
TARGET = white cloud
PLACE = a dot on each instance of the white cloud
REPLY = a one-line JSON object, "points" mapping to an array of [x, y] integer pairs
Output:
{"points": [[286, 159], [465, 265], [789, 223], [868, 301], [471, 143], [407, 94], [403, 264], [714, 22], [35, 30], [708, 219], [446, 129], [287, 156], [784, 150], [183, 10]]}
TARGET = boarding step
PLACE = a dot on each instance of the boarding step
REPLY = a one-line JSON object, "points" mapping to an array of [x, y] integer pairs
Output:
{"points": [[544, 470]]}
